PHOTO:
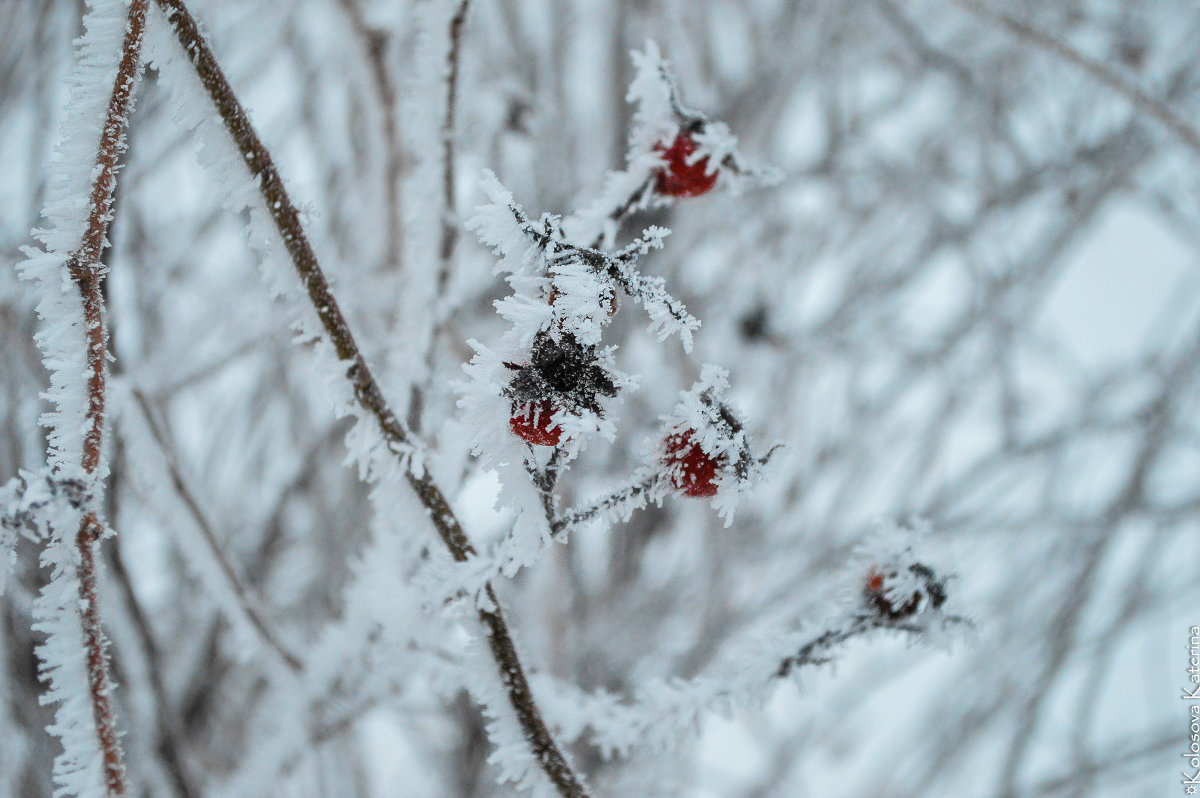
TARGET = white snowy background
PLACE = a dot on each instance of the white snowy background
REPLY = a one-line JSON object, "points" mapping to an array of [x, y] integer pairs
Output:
{"points": [[971, 300]]}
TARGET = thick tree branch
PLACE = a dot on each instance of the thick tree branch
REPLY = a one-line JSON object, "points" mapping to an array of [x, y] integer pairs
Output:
{"points": [[366, 388]]}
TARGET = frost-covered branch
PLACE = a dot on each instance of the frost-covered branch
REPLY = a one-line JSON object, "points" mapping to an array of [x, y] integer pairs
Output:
{"points": [[890, 592], [87, 272], [74, 342], [619, 504], [366, 389], [495, 224], [673, 152], [374, 42]]}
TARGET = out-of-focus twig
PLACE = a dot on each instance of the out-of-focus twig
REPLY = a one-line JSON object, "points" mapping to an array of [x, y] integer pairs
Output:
{"points": [[375, 43], [245, 601], [1184, 130], [449, 203]]}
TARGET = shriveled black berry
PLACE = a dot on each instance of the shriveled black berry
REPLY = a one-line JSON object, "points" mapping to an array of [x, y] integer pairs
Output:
{"points": [[563, 369]]}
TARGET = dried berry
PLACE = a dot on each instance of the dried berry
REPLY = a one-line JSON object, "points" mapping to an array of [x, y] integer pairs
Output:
{"points": [[565, 371], [562, 374], [692, 470], [678, 178]]}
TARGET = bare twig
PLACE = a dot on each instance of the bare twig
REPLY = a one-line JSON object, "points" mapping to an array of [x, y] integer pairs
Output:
{"points": [[1184, 130], [449, 210], [375, 44], [449, 204], [244, 599], [88, 273], [169, 743], [366, 390]]}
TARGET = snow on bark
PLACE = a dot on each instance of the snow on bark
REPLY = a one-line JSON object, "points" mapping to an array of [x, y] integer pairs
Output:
{"points": [[72, 342]]}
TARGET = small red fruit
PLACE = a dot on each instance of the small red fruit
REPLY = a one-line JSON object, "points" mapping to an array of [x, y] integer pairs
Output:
{"points": [[873, 589], [875, 582], [532, 423], [680, 178], [692, 470]]}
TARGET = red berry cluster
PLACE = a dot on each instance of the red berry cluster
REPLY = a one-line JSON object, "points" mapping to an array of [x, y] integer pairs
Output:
{"points": [[693, 471], [678, 178]]}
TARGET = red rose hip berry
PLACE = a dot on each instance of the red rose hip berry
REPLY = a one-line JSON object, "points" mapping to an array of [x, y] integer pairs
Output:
{"points": [[692, 470], [531, 422], [678, 178]]}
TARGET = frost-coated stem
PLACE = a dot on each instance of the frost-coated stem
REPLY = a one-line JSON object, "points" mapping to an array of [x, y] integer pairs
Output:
{"points": [[617, 499], [366, 390], [626, 207], [99, 683], [84, 264], [816, 651], [86, 270]]}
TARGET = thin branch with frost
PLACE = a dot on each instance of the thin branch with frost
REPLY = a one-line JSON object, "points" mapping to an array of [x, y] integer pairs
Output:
{"points": [[446, 220], [619, 504], [166, 723], [655, 714], [659, 117], [366, 389], [494, 222], [91, 761], [375, 44], [88, 273]]}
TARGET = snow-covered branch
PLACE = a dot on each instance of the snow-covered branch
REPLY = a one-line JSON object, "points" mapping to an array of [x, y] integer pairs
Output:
{"points": [[366, 390]]}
